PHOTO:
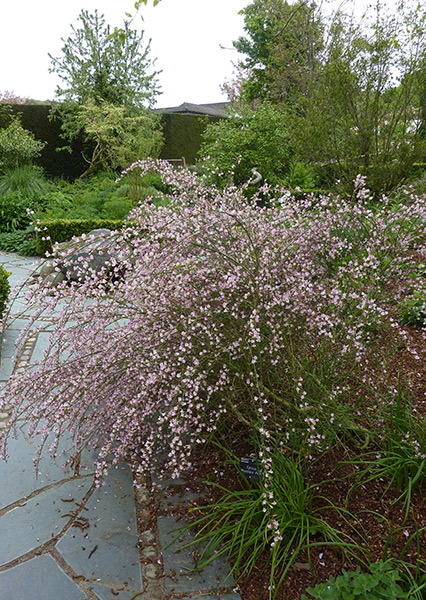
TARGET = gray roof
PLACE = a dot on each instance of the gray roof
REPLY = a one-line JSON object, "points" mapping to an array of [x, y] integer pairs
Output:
{"points": [[216, 109]]}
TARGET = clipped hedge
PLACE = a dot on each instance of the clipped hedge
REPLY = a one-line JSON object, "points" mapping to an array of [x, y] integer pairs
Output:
{"points": [[35, 118], [4, 289], [62, 230], [183, 135]]}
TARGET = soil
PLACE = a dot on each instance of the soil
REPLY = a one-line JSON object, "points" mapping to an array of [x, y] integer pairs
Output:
{"points": [[377, 510]]}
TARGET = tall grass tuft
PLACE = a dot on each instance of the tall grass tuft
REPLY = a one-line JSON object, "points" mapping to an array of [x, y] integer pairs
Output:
{"points": [[281, 515], [28, 179]]}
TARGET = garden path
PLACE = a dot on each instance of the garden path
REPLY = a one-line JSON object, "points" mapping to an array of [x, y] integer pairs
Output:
{"points": [[61, 538]]}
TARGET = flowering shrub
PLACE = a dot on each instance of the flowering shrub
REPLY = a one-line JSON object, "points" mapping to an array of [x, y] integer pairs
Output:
{"points": [[212, 315], [9, 97]]}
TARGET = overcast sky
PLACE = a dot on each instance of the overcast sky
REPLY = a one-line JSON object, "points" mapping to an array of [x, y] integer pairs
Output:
{"points": [[187, 36]]}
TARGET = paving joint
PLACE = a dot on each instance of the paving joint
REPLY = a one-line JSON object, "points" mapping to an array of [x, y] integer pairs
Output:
{"points": [[23, 501], [79, 580]]}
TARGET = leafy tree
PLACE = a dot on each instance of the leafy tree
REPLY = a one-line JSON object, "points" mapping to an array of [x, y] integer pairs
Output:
{"points": [[106, 93], [96, 64], [363, 113], [253, 138], [354, 92], [282, 48], [119, 138]]}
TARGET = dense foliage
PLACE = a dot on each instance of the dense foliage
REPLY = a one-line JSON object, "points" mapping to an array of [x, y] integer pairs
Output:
{"points": [[17, 146], [96, 64], [4, 290], [354, 90], [255, 138], [282, 49], [107, 92]]}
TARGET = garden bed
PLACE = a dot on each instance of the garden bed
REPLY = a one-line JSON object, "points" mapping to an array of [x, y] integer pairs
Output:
{"points": [[377, 510]]}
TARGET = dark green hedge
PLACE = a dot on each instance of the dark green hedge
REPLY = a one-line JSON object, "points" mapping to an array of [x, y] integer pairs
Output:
{"points": [[4, 289], [182, 138], [183, 135], [35, 118], [62, 230]]}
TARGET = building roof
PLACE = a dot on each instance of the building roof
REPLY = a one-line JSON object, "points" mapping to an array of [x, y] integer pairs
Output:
{"points": [[216, 109]]}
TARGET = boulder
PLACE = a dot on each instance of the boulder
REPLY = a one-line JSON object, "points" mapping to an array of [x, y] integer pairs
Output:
{"points": [[84, 255]]}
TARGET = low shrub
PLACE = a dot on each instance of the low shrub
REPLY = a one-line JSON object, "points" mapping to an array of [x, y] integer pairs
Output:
{"points": [[4, 290], [21, 241], [97, 198], [382, 583], [61, 230], [18, 146], [117, 208], [26, 179], [14, 211]]}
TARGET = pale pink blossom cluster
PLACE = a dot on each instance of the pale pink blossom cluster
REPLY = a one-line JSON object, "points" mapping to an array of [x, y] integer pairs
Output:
{"points": [[214, 315], [8, 97]]}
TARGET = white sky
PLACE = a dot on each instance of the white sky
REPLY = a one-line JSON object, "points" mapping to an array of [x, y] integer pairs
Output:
{"points": [[186, 38]]}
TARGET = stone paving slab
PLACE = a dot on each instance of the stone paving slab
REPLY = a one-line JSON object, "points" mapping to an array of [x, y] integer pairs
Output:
{"points": [[6, 369], [19, 473], [117, 593], [112, 530], [38, 579], [94, 554], [179, 562], [41, 346], [35, 522], [19, 324], [9, 341]]}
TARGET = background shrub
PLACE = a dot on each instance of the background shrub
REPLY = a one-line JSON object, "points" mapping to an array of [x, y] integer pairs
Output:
{"points": [[21, 241], [4, 289], [257, 138], [62, 230], [18, 146]]}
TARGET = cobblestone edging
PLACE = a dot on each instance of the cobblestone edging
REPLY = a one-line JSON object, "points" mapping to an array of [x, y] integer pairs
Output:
{"points": [[21, 362], [150, 551]]}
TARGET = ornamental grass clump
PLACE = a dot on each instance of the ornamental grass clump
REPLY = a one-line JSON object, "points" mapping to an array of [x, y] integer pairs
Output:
{"points": [[214, 315], [402, 457], [279, 513]]}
